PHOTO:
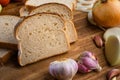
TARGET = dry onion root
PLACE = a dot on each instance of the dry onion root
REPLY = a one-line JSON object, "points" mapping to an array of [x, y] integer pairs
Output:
{"points": [[85, 5]]}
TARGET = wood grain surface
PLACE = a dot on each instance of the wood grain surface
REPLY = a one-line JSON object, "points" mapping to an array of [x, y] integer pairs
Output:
{"points": [[39, 70]]}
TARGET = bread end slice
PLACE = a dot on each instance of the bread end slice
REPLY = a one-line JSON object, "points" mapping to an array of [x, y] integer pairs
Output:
{"points": [[71, 31]]}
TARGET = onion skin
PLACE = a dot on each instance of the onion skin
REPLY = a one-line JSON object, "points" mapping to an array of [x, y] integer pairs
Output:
{"points": [[107, 14]]}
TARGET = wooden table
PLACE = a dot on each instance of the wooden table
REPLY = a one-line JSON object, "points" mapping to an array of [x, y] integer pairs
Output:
{"points": [[39, 70]]}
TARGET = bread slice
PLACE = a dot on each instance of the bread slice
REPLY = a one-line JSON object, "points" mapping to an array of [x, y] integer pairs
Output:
{"points": [[71, 31], [63, 11], [7, 24], [24, 12], [5, 55], [58, 8], [35, 3], [41, 36]]}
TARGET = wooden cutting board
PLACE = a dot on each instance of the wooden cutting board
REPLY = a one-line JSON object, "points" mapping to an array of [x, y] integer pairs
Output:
{"points": [[39, 70]]}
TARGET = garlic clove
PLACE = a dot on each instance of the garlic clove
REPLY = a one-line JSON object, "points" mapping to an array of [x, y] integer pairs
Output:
{"points": [[98, 41], [88, 54], [111, 31], [82, 68], [89, 63], [63, 70], [112, 50], [112, 74]]}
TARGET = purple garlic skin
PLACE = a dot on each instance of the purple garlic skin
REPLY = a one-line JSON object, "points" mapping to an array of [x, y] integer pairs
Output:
{"points": [[87, 62], [112, 74], [63, 70]]}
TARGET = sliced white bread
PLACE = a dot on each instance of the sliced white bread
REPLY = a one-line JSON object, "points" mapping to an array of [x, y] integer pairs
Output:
{"points": [[41, 36], [71, 31], [5, 55], [35, 3], [24, 12], [63, 11], [58, 8], [7, 25]]}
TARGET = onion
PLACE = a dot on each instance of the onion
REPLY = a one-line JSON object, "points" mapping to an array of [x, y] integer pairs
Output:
{"points": [[106, 13], [90, 19]]}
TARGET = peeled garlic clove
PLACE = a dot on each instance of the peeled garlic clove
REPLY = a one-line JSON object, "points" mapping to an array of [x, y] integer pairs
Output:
{"points": [[112, 50], [63, 70], [111, 31], [0, 8]]}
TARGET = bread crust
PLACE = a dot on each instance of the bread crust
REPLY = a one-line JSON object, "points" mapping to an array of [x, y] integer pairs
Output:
{"points": [[53, 4], [18, 25], [12, 46], [70, 20], [30, 7], [19, 47], [19, 54], [75, 32]]}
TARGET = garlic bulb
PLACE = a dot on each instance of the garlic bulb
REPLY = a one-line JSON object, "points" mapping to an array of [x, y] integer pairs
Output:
{"points": [[63, 70], [88, 62], [106, 13]]}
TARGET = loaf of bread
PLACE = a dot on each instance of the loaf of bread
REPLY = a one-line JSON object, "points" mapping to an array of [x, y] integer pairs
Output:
{"points": [[63, 11], [7, 25], [35, 3], [41, 36]]}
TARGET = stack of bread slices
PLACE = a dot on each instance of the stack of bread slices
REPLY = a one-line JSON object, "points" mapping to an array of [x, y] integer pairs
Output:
{"points": [[46, 30]]}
